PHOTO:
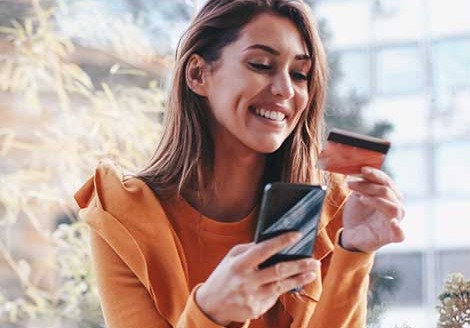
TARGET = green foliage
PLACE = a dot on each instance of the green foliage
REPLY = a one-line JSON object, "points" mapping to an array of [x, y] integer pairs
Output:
{"points": [[454, 307]]}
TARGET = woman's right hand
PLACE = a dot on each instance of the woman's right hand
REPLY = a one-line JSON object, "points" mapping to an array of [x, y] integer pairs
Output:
{"points": [[237, 291]]}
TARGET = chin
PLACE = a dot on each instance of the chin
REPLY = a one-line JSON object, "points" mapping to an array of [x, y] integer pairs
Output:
{"points": [[267, 147]]}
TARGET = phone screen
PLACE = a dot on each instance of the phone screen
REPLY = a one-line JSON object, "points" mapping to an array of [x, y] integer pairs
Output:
{"points": [[290, 207]]}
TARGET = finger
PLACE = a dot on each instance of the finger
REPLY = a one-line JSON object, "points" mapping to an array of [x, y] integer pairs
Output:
{"points": [[280, 287], [239, 249], [378, 176], [374, 190], [285, 270], [262, 251], [397, 231], [389, 208]]}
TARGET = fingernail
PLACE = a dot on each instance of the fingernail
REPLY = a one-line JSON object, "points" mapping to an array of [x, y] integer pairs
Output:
{"points": [[353, 178], [310, 276], [366, 170], [281, 269], [295, 236], [312, 264]]}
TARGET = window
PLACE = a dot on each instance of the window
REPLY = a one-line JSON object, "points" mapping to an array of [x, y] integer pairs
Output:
{"points": [[449, 17], [452, 217], [408, 115], [400, 70], [409, 170], [453, 169], [451, 67], [354, 73], [407, 270], [456, 260], [347, 20], [388, 14]]}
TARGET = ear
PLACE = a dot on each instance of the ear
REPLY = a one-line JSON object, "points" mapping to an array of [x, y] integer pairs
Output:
{"points": [[196, 78]]}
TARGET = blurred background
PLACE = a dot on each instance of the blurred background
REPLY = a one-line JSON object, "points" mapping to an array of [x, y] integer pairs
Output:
{"points": [[411, 61], [82, 80]]}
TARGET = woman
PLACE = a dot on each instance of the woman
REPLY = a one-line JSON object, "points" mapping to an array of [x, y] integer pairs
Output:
{"points": [[172, 247]]}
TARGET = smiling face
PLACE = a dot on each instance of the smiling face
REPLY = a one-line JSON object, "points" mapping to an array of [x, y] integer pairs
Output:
{"points": [[258, 88]]}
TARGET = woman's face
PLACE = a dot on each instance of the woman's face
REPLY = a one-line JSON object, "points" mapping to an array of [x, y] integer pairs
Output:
{"points": [[258, 89]]}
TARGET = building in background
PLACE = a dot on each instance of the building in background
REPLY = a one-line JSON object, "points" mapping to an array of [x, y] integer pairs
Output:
{"points": [[411, 59]]}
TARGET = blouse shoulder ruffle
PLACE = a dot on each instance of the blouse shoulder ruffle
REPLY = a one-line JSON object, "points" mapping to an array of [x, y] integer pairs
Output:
{"points": [[129, 217]]}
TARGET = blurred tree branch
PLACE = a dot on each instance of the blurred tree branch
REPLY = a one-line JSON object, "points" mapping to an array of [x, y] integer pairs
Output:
{"points": [[55, 151]]}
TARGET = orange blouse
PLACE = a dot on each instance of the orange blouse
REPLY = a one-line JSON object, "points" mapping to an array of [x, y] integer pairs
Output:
{"points": [[150, 257], [205, 243]]}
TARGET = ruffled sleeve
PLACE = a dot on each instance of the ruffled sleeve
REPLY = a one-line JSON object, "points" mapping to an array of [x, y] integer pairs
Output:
{"points": [[138, 260], [338, 297]]}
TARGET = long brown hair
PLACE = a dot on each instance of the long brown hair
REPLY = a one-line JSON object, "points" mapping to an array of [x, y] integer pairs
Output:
{"points": [[184, 158]]}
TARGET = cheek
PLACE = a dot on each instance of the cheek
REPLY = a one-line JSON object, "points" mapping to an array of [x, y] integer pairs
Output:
{"points": [[301, 101], [241, 85]]}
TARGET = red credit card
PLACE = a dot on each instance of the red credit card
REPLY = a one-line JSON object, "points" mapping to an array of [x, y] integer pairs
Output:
{"points": [[347, 152]]}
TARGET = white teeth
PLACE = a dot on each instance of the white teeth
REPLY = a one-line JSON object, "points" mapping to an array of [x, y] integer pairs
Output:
{"points": [[272, 115]]}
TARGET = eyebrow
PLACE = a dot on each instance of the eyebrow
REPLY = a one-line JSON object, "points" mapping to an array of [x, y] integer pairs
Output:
{"points": [[274, 52]]}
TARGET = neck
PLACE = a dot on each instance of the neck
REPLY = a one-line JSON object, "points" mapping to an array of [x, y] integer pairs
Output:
{"points": [[236, 183]]}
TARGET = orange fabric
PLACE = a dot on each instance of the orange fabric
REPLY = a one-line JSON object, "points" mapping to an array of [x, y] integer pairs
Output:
{"points": [[205, 242], [147, 276]]}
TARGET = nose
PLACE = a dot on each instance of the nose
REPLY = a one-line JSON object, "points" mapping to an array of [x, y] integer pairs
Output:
{"points": [[282, 86]]}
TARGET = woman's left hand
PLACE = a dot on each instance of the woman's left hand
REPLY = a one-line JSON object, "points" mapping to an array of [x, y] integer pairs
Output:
{"points": [[372, 213]]}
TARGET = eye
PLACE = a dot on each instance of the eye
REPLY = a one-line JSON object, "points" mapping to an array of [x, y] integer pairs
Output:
{"points": [[260, 67], [299, 76]]}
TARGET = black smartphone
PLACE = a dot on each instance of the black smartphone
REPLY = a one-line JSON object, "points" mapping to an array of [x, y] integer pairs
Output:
{"points": [[290, 207]]}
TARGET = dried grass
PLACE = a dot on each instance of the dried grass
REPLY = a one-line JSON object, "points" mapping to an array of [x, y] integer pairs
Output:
{"points": [[78, 123]]}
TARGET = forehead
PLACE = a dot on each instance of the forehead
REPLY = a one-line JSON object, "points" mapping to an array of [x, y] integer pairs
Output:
{"points": [[275, 31]]}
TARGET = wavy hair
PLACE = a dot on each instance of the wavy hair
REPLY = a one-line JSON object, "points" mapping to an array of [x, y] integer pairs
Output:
{"points": [[184, 157]]}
